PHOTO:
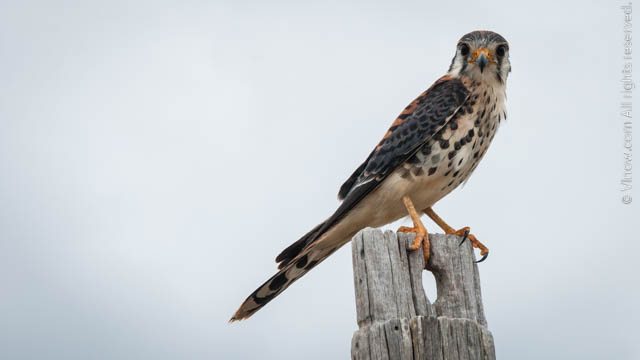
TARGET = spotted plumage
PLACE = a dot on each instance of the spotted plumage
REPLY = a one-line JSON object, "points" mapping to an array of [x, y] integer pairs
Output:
{"points": [[432, 147]]}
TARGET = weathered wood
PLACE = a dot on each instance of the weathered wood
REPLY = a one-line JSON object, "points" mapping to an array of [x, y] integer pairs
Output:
{"points": [[457, 279], [387, 278], [396, 319]]}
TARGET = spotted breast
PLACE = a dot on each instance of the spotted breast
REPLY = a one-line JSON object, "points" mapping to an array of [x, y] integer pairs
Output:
{"points": [[447, 159]]}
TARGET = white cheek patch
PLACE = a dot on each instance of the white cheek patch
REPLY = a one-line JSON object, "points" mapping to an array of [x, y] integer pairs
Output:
{"points": [[456, 66]]}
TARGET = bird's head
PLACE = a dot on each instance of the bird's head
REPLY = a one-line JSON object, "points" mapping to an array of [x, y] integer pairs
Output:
{"points": [[482, 55]]}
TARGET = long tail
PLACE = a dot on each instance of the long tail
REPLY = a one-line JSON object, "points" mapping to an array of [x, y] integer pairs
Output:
{"points": [[296, 261]]}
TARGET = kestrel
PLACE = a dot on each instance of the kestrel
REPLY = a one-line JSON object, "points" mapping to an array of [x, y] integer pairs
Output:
{"points": [[432, 147]]}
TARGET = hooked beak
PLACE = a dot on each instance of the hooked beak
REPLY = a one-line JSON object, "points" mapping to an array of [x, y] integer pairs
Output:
{"points": [[481, 57], [482, 62]]}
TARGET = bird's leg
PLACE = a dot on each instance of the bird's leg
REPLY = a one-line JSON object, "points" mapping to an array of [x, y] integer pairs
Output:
{"points": [[464, 232], [422, 236]]}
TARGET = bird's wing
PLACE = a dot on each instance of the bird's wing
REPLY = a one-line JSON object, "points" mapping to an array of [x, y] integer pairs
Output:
{"points": [[416, 125]]}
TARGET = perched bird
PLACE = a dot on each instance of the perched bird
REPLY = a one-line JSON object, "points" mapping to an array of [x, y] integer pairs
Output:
{"points": [[432, 147]]}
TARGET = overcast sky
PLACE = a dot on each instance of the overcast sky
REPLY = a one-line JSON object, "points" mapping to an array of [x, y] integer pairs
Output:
{"points": [[156, 156]]}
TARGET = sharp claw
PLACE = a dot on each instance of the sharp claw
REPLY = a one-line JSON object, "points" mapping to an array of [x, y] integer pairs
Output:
{"points": [[464, 237], [483, 258]]}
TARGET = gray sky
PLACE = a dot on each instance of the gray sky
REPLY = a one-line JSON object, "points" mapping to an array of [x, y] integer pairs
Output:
{"points": [[156, 156]]}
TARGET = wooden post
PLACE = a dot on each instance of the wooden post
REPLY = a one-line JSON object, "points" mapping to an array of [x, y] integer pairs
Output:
{"points": [[396, 319]]}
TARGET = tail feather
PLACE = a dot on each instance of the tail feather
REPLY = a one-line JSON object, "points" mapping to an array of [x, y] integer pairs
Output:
{"points": [[288, 274], [293, 250], [302, 256]]}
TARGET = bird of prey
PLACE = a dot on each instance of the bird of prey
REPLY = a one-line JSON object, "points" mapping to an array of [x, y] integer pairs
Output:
{"points": [[432, 147]]}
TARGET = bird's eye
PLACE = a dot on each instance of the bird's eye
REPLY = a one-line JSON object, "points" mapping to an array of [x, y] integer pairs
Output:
{"points": [[501, 50], [464, 49]]}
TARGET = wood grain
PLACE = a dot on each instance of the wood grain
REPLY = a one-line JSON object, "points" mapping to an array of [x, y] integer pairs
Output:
{"points": [[396, 320]]}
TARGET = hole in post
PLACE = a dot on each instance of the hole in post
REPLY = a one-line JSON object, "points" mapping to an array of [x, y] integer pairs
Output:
{"points": [[430, 287]]}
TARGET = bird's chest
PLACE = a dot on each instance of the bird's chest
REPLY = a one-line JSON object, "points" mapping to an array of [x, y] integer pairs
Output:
{"points": [[448, 158]]}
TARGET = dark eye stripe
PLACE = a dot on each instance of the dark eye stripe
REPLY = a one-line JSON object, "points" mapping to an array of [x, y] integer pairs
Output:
{"points": [[464, 49]]}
